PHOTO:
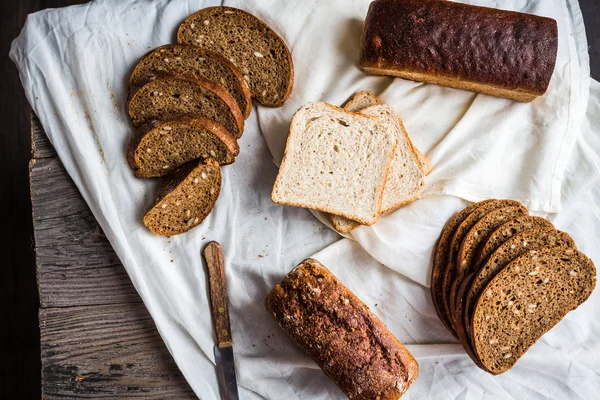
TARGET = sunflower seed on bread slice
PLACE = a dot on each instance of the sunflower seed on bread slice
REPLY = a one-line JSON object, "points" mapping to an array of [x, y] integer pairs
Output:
{"points": [[259, 53], [185, 198], [170, 96], [160, 147], [525, 300], [178, 58], [335, 161]]}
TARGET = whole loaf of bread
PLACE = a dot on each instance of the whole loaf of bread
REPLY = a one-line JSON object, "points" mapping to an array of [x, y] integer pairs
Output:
{"points": [[485, 50], [339, 332]]}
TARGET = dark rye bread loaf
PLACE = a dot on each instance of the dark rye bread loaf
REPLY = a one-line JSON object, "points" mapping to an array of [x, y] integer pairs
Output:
{"points": [[457, 239], [441, 260], [339, 332], [513, 248], [491, 51], [170, 96], [259, 53], [525, 300], [185, 198], [179, 58], [507, 230], [161, 146]]}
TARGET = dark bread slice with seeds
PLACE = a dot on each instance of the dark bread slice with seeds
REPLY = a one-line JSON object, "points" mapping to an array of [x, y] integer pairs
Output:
{"points": [[513, 248], [503, 233], [170, 96], [181, 58], [185, 198], [441, 260], [162, 146], [460, 233], [525, 300], [259, 53]]}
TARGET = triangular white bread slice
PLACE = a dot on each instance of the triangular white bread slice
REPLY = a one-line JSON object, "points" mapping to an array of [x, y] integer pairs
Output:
{"points": [[406, 180], [335, 161]]}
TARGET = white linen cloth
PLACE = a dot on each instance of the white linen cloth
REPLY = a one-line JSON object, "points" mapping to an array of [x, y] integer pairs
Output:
{"points": [[74, 64]]}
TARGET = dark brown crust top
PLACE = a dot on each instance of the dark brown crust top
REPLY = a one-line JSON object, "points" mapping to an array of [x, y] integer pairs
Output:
{"points": [[190, 79], [196, 121], [225, 9], [137, 78], [339, 332], [503, 49]]}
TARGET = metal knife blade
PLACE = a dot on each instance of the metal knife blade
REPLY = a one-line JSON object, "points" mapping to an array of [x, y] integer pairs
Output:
{"points": [[226, 372], [213, 255]]}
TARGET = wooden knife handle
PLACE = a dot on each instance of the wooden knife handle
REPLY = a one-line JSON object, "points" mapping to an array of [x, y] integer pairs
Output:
{"points": [[213, 255]]}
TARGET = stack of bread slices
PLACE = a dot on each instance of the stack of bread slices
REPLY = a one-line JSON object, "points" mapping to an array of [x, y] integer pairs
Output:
{"points": [[354, 163], [502, 278], [189, 101]]}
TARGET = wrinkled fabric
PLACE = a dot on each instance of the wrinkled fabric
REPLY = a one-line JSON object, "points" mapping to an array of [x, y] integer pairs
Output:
{"points": [[74, 64]]}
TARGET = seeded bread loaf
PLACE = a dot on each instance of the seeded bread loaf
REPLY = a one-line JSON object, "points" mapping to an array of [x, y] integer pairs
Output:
{"points": [[525, 300], [339, 332], [168, 97], [441, 260], [504, 232], [491, 51], [335, 161], [194, 60], [160, 147], [185, 198], [259, 53]]}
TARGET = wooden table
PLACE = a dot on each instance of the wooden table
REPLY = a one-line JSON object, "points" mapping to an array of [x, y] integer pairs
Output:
{"points": [[97, 339]]}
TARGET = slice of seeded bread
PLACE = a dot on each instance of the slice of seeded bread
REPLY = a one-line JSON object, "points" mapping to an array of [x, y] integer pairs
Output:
{"points": [[441, 261], [525, 300], [259, 53], [452, 270], [335, 161], [185, 198], [507, 230], [170, 96], [179, 58], [160, 147]]}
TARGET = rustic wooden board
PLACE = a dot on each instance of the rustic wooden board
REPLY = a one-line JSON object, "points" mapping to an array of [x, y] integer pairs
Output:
{"points": [[97, 338]]}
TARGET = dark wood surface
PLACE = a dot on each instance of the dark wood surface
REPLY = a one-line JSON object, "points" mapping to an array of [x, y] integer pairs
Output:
{"points": [[20, 368]]}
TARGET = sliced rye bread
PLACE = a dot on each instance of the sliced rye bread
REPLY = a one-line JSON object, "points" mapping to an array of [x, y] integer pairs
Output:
{"points": [[181, 58], [469, 248], [335, 161], [406, 180], [441, 260], [525, 300], [513, 248], [171, 96], [160, 147], [504, 232], [460, 233], [185, 198], [259, 53]]}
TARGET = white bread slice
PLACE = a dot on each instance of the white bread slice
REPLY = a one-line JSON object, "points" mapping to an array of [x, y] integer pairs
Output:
{"points": [[335, 161], [406, 180]]}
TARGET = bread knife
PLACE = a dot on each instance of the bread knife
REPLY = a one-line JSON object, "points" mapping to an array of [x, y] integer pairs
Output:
{"points": [[223, 350]]}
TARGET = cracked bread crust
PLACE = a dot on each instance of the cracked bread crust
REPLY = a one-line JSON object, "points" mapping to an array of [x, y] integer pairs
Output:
{"points": [[339, 332]]}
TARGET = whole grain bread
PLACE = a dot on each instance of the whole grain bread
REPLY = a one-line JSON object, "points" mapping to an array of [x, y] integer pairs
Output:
{"points": [[491, 51], [441, 261], [259, 53], [339, 332], [185, 198], [335, 161], [452, 269], [160, 147], [170, 96], [179, 58], [525, 300], [504, 232]]}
